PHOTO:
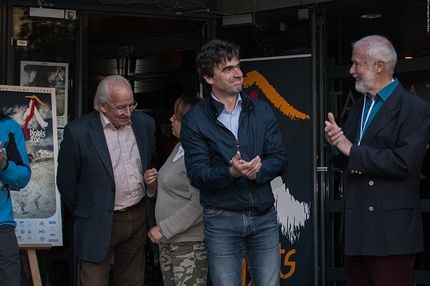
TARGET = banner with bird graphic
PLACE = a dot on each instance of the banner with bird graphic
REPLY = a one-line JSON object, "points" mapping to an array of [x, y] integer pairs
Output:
{"points": [[285, 83]]}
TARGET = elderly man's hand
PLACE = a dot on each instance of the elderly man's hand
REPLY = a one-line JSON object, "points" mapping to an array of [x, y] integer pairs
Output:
{"points": [[335, 136]]}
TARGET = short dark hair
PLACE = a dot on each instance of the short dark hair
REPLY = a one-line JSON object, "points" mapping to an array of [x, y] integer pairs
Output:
{"points": [[183, 104], [211, 55]]}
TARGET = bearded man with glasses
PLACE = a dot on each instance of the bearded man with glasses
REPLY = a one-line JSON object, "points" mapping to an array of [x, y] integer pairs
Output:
{"points": [[101, 163]]}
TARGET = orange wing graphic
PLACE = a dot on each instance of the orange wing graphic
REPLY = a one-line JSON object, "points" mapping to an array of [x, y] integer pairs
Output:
{"points": [[254, 77], [36, 98]]}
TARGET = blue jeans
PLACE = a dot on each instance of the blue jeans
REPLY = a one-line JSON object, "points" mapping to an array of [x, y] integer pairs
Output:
{"points": [[231, 236]]}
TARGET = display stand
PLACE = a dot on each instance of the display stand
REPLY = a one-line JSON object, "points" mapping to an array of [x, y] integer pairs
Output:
{"points": [[32, 259]]}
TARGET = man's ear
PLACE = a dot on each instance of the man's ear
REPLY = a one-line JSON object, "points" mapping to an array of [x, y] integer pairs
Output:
{"points": [[102, 106], [380, 66], [208, 79]]}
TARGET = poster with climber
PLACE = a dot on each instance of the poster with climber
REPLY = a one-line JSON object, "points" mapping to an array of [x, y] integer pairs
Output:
{"points": [[36, 207], [49, 74]]}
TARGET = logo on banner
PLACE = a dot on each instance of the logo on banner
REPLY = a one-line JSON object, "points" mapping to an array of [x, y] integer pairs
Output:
{"points": [[254, 77], [33, 112]]}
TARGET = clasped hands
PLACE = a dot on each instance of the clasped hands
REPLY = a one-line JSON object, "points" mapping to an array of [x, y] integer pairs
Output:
{"points": [[240, 167], [335, 136]]}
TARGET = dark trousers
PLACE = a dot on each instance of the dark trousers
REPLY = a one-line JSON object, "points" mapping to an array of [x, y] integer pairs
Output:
{"points": [[10, 265], [127, 243], [379, 271]]}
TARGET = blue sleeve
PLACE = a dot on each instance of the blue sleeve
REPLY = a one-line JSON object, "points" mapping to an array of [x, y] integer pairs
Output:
{"points": [[17, 172], [274, 157]]}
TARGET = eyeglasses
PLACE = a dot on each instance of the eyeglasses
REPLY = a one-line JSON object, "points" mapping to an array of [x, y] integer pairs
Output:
{"points": [[122, 111]]}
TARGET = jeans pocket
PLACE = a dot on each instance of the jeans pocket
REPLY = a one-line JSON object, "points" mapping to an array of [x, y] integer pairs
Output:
{"points": [[212, 212]]}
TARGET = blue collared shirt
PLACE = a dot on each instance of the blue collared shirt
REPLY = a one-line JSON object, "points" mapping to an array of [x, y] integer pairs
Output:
{"points": [[231, 120], [380, 98]]}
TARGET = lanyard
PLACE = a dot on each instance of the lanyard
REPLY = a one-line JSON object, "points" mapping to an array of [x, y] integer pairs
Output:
{"points": [[363, 124]]}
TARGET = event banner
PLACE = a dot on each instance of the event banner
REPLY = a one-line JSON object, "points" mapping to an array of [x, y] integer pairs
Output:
{"points": [[285, 83], [36, 207]]}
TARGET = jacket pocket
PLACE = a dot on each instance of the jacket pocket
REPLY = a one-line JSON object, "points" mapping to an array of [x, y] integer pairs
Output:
{"points": [[400, 203], [82, 211]]}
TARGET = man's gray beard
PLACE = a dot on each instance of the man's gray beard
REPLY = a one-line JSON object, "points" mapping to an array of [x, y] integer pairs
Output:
{"points": [[360, 88], [364, 85]]}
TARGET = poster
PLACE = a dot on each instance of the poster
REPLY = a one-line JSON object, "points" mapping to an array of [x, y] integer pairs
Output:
{"points": [[285, 84], [36, 207], [45, 74]]}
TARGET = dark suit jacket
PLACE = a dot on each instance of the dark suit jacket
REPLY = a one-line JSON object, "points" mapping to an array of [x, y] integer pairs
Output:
{"points": [[85, 178], [382, 176]]}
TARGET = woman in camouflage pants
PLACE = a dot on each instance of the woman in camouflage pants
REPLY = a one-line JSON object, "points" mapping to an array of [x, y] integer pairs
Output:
{"points": [[178, 213]]}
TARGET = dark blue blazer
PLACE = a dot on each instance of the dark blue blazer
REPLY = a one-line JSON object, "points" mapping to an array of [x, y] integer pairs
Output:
{"points": [[85, 178], [382, 176]]}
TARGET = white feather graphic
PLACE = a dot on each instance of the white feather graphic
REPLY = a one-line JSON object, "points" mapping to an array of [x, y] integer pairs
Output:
{"points": [[292, 214]]}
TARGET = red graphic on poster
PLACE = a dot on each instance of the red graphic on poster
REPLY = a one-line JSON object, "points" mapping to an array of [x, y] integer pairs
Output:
{"points": [[32, 111]]}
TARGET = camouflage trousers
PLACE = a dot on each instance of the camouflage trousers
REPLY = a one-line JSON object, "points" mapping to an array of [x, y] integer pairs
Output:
{"points": [[184, 263]]}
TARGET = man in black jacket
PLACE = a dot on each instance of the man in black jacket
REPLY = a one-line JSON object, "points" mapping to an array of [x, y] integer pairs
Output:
{"points": [[100, 177], [233, 150], [382, 146]]}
